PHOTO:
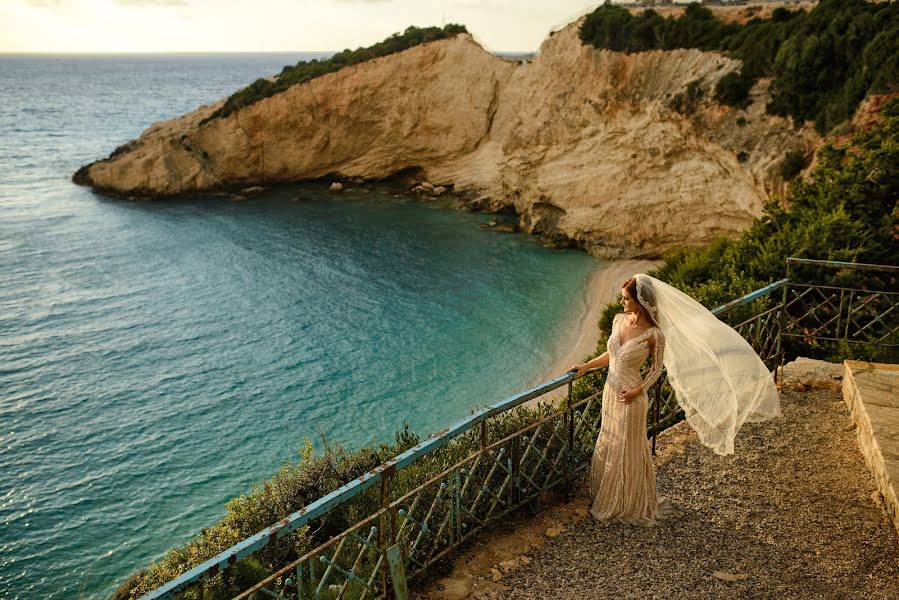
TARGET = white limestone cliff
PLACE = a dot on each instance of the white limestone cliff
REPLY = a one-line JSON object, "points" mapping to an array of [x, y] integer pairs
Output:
{"points": [[582, 143]]}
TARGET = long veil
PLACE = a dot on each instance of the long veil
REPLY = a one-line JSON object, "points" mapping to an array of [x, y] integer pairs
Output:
{"points": [[718, 379]]}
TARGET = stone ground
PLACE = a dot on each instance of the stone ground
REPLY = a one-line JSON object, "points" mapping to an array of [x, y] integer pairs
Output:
{"points": [[792, 514]]}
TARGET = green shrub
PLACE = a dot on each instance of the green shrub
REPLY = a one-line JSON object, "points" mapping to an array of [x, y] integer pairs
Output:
{"points": [[733, 89], [792, 164], [686, 101]]}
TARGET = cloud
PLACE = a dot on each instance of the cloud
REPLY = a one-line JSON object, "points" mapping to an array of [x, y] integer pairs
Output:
{"points": [[152, 2]]}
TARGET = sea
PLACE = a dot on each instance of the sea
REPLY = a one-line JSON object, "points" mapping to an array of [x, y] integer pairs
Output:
{"points": [[158, 358]]}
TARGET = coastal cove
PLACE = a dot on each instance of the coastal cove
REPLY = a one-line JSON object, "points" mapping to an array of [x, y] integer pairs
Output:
{"points": [[159, 358], [260, 296]]}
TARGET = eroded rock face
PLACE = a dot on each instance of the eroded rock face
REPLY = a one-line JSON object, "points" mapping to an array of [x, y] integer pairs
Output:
{"points": [[582, 143]]}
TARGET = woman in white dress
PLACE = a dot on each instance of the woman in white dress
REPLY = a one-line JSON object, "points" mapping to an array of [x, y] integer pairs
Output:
{"points": [[718, 379], [622, 475]]}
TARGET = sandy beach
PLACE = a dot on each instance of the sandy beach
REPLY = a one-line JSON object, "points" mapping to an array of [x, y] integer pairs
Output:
{"points": [[603, 286]]}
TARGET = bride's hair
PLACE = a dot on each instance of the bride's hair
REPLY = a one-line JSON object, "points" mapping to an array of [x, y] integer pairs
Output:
{"points": [[646, 304]]}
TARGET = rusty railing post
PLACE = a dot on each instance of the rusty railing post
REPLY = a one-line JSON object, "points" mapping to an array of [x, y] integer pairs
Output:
{"points": [[515, 488], [569, 415], [778, 373], [384, 540]]}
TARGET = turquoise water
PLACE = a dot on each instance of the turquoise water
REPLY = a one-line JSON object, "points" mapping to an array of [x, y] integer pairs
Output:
{"points": [[158, 358]]}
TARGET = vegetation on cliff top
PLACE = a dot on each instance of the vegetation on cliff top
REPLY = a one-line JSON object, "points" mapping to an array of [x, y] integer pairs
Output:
{"points": [[823, 62], [306, 70]]}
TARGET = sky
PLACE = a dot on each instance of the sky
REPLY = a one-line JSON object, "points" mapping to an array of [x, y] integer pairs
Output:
{"points": [[113, 26]]}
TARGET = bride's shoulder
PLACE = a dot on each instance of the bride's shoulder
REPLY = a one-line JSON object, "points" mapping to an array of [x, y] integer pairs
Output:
{"points": [[617, 318]]}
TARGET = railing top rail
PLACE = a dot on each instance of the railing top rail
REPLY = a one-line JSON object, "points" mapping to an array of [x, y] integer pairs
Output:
{"points": [[292, 522], [841, 265], [838, 288], [754, 295]]}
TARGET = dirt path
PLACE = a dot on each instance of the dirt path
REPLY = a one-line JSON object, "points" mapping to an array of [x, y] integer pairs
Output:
{"points": [[793, 514]]}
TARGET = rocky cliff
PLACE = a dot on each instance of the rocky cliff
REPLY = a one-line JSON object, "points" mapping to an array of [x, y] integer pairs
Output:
{"points": [[583, 144]]}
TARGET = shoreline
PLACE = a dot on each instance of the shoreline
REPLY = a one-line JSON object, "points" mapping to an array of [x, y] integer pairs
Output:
{"points": [[603, 286]]}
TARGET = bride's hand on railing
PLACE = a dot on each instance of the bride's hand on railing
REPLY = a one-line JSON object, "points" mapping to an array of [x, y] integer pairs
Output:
{"points": [[579, 369]]}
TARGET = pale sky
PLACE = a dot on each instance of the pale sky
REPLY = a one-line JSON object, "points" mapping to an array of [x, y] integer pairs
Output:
{"points": [[62, 26]]}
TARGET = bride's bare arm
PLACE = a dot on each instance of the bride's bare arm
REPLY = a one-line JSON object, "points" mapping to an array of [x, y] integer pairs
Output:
{"points": [[600, 361]]}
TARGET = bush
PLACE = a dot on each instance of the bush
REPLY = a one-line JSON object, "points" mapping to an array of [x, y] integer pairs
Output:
{"points": [[685, 102], [792, 164], [733, 89]]}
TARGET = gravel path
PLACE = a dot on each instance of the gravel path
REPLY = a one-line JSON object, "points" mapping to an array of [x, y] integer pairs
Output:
{"points": [[790, 515]]}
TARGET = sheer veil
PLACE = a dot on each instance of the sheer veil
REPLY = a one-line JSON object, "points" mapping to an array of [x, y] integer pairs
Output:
{"points": [[718, 379]]}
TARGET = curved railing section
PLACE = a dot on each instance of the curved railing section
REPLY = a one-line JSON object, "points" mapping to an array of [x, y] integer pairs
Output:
{"points": [[500, 475]]}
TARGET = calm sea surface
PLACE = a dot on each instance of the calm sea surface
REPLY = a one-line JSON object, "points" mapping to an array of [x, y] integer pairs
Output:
{"points": [[157, 359]]}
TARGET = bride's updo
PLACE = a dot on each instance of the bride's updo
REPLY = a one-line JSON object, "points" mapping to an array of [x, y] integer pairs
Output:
{"points": [[644, 298]]}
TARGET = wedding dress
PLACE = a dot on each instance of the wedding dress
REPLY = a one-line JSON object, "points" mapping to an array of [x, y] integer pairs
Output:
{"points": [[718, 380], [622, 476]]}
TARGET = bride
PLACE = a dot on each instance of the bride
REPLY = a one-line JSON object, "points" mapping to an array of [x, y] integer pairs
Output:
{"points": [[718, 379]]}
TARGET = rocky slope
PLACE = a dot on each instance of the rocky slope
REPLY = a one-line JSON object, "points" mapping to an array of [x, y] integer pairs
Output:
{"points": [[582, 143]]}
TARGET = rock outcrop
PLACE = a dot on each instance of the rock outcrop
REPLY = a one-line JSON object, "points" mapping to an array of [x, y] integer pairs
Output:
{"points": [[582, 143]]}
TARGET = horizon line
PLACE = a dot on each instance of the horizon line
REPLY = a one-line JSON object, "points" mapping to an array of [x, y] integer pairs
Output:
{"points": [[206, 52]]}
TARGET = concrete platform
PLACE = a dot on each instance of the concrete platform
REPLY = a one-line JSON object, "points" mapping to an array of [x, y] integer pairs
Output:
{"points": [[871, 390]]}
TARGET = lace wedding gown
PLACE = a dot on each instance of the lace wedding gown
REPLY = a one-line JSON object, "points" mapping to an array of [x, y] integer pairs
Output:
{"points": [[622, 476]]}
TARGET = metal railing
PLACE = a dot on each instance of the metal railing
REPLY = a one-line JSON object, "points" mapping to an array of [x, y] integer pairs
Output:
{"points": [[419, 506], [853, 315]]}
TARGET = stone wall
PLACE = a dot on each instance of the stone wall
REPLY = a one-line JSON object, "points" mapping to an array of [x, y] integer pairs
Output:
{"points": [[871, 391]]}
